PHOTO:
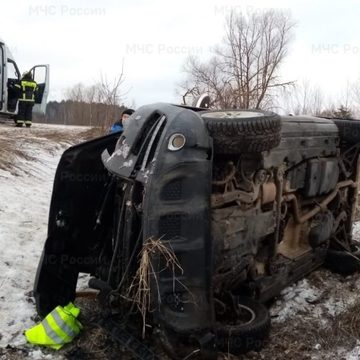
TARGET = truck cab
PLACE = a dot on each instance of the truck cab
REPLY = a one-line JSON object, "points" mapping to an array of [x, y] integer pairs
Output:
{"points": [[10, 75]]}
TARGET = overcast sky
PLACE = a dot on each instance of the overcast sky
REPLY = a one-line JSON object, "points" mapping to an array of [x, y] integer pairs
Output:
{"points": [[82, 39]]}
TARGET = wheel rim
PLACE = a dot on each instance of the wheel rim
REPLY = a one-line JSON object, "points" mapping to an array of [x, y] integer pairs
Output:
{"points": [[231, 114]]}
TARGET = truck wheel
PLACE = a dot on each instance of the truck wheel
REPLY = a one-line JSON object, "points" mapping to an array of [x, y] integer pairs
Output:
{"points": [[246, 332], [237, 131], [349, 130], [343, 262]]}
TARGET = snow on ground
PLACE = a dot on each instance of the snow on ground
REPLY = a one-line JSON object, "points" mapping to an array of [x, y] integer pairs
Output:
{"points": [[323, 305], [306, 297], [25, 191]]}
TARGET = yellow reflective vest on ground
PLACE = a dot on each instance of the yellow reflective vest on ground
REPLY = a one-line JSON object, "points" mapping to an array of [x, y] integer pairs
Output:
{"points": [[57, 329]]}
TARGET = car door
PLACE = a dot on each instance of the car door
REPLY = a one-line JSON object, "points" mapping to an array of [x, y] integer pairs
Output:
{"points": [[12, 78], [2, 76], [40, 74]]}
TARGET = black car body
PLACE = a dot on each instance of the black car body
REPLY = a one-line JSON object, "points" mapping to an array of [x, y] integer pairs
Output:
{"points": [[247, 202]]}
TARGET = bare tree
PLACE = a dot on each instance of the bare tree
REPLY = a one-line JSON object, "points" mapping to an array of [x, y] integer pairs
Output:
{"points": [[302, 98], [90, 96], [98, 104], [110, 95], [76, 93], [244, 70], [109, 91], [353, 91], [75, 111], [210, 78]]}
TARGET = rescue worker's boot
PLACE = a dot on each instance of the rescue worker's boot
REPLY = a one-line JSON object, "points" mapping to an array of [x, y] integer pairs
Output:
{"points": [[19, 123], [28, 123]]}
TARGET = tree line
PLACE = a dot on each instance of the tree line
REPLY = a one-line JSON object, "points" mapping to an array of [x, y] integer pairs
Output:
{"points": [[98, 105], [72, 112]]}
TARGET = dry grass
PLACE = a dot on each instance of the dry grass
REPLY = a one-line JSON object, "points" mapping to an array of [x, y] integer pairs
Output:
{"points": [[93, 133], [94, 342], [295, 339], [298, 338], [13, 143], [344, 329], [10, 152], [139, 291], [67, 136]]}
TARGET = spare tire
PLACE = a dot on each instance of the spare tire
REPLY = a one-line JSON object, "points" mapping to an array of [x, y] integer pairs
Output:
{"points": [[349, 130], [246, 333], [236, 131]]}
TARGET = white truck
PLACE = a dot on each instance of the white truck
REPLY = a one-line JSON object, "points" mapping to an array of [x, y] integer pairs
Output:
{"points": [[10, 75]]}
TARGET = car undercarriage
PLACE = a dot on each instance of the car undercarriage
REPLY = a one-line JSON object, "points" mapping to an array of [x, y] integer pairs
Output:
{"points": [[191, 220]]}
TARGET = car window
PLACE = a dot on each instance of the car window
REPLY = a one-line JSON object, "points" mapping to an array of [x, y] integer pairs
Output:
{"points": [[12, 70]]}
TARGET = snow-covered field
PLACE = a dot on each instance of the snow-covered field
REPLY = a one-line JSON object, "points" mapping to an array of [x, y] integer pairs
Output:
{"points": [[311, 320], [25, 191]]}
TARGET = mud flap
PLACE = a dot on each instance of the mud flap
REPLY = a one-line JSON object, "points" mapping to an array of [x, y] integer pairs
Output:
{"points": [[80, 185]]}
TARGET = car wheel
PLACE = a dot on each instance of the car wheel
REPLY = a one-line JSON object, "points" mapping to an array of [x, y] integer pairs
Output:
{"points": [[247, 331], [343, 262], [349, 130], [237, 131]]}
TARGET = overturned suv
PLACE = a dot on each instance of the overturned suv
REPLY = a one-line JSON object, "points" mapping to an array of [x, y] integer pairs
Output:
{"points": [[245, 202]]}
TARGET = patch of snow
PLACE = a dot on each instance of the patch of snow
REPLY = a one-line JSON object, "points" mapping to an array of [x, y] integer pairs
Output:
{"points": [[83, 282], [335, 306], [294, 299], [128, 164], [24, 206], [58, 127], [122, 151], [330, 298], [39, 355], [354, 354], [24, 209], [356, 231]]}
